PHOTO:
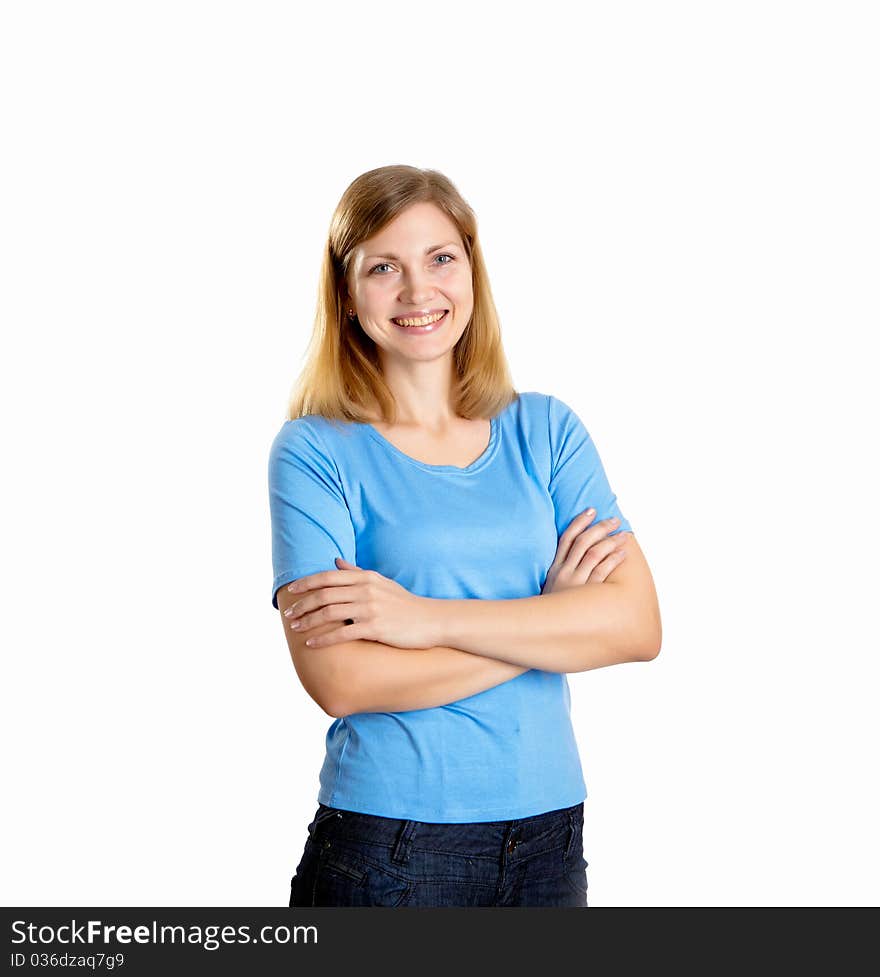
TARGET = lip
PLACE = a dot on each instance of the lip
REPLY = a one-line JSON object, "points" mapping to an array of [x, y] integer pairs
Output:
{"points": [[418, 315], [431, 327]]}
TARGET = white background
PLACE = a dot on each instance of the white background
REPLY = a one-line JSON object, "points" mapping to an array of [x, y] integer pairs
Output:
{"points": [[678, 205]]}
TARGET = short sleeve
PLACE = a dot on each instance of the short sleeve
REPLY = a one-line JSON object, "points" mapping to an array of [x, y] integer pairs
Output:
{"points": [[578, 480], [311, 523]]}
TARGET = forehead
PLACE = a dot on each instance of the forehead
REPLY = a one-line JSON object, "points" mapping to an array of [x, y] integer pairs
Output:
{"points": [[419, 227]]}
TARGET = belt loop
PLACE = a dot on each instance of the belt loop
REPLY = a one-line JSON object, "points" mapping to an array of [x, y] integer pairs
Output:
{"points": [[404, 842]]}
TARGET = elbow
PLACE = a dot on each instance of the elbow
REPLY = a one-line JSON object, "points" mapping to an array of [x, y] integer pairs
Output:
{"points": [[337, 699], [329, 678], [328, 705], [650, 652], [333, 704], [337, 708], [643, 640], [652, 639], [639, 652], [340, 695], [324, 695]]}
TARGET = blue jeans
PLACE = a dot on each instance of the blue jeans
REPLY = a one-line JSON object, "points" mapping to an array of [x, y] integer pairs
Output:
{"points": [[353, 859]]}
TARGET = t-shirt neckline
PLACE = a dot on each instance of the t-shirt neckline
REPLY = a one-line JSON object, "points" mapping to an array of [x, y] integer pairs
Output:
{"points": [[477, 465]]}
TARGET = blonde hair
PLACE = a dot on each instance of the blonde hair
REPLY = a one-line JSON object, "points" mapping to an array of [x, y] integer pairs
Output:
{"points": [[342, 377]]}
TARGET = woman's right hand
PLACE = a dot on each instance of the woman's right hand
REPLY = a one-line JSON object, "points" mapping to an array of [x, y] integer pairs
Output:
{"points": [[585, 554]]}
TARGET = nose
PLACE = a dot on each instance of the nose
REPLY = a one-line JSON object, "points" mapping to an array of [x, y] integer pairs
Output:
{"points": [[417, 290]]}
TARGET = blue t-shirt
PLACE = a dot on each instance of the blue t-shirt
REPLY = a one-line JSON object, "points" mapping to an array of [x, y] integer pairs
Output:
{"points": [[488, 531]]}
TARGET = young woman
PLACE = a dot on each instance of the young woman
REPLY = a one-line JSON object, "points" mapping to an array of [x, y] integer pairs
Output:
{"points": [[445, 550]]}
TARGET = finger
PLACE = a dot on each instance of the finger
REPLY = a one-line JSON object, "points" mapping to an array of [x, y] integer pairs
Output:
{"points": [[337, 636], [334, 611], [600, 531], [576, 526], [590, 547], [316, 599], [299, 608], [326, 578], [603, 570]]}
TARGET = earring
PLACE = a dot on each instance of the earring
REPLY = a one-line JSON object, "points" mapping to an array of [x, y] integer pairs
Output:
{"points": [[351, 314]]}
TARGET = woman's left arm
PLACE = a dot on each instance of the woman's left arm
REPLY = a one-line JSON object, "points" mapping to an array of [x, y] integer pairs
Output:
{"points": [[573, 630]]}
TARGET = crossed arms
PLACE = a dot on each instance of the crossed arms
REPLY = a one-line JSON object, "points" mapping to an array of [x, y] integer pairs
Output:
{"points": [[485, 643]]}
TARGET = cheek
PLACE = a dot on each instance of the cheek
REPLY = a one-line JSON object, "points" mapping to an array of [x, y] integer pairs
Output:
{"points": [[459, 281], [463, 295], [376, 292]]}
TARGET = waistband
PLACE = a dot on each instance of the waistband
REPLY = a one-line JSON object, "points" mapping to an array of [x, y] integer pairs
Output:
{"points": [[480, 837]]}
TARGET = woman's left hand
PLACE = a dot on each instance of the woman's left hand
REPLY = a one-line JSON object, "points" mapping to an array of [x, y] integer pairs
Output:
{"points": [[380, 609]]}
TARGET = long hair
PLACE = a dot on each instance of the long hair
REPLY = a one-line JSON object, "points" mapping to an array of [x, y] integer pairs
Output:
{"points": [[342, 377]]}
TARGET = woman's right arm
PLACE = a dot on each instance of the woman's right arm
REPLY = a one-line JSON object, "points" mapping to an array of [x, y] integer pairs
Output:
{"points": [[369, 676]]}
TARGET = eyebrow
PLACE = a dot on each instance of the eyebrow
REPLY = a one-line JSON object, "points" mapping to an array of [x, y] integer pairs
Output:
{"points": [[434, 247]]}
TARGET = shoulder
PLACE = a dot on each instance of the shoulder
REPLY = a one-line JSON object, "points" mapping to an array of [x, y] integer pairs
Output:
{"points": [[562, 417], [536, 401], [543, 408], [311, 431], [305, 444], [531, 404]]}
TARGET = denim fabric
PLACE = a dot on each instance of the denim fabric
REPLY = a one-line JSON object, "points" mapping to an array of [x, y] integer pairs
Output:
{"points": [[353, 859]]}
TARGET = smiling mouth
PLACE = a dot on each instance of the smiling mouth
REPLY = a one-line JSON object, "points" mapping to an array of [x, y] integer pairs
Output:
{"points": [[415, 323]]}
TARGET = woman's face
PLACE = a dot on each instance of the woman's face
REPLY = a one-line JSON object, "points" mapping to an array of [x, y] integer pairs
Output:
{"points": [[416, 264]]}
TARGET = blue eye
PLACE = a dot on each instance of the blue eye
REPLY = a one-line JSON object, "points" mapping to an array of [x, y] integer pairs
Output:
{"points": [[384, 264]]}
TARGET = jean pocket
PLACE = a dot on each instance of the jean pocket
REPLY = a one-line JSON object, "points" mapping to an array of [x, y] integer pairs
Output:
{"points": [[346, 877]]}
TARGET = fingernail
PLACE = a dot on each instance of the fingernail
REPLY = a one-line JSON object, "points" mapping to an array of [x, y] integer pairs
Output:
{"points": [[590, 512]]}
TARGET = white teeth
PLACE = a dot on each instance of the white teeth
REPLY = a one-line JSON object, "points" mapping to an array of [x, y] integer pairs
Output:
{"points": [[424, 321]]}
